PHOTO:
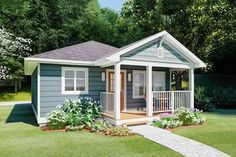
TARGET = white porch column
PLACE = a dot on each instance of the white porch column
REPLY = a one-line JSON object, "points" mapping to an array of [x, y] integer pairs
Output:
{"points": [[117, 91], [149, 97], [191, 87]]}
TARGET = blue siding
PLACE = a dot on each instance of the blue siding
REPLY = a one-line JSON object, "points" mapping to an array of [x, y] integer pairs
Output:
{"points": [[50, 86], [34, 89], [149, 52]]}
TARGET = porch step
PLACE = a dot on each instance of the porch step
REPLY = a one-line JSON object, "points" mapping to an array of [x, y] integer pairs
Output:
{"points": [[136, 123]]}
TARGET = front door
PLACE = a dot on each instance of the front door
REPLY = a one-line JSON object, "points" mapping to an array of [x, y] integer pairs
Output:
{"points": [[122, 87]]}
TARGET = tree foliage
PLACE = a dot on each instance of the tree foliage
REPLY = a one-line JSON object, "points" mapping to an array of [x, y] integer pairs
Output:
{"points": [[12, 51]]}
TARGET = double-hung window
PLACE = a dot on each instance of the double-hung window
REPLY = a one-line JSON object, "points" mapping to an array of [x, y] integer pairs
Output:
{"points": [[74, 80], [138, 84]]}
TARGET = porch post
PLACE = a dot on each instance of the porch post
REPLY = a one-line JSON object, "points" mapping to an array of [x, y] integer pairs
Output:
{"points": [[191, 87], [117, 91], [149, 97]]}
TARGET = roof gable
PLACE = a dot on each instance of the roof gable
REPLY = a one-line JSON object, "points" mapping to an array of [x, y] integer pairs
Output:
{"points": [[181, 49], [149, 52]]}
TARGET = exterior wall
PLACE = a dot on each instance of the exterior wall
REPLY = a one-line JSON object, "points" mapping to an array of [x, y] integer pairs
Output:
{"points": [[50, 86], [34, 89], [134, 103], [149, 52], [51, 93]]}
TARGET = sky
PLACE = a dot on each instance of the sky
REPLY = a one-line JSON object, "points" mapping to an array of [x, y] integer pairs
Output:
{"points": [[114, 4]]}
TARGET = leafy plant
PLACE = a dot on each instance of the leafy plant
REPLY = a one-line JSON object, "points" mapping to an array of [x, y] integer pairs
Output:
{"points": [[118, 131], [82, 111], [56, 120], [99, 126], [202, 99], [189, 117], [167, 120]]}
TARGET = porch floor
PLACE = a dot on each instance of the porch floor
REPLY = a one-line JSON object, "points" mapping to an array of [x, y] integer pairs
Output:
{"points": [[132, 115]]}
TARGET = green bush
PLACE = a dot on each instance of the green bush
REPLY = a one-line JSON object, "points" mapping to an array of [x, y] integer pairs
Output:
{"points": [[189, 116], [82, 111], [56, 120], [202, 99], [99, 126], [167, 120]]}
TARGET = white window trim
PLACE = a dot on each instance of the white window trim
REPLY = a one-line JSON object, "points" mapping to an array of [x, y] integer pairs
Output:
{"points": [[63, 81], [134, 96]]}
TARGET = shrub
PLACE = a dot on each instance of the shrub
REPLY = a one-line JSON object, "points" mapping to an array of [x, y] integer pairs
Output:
{"points": [[99, 126], [189, 117], [202, 99], [167, 121], [118, 131], [56, 120], [82, 111]]}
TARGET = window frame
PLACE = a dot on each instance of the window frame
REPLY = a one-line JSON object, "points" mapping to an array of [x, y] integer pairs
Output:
{"points": [[133, 93], [144, 72], [75, 92], [164, 81]]}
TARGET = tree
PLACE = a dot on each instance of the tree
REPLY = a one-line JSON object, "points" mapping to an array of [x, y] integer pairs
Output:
{"points": [[12, 51]]}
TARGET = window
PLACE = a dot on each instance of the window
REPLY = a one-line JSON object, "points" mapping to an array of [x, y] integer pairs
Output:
{"points": [[74, 80], [158, 80], [138, 84]]}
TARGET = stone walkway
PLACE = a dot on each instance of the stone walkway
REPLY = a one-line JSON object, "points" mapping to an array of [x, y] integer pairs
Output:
{"points": [[14, 103], [184, 146]]}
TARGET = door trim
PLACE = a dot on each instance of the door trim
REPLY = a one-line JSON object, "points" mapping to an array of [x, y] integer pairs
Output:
{"points": [[125, 83]]}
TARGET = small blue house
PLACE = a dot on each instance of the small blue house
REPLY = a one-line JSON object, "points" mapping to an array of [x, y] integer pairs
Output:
{"points": [[131, 83]]}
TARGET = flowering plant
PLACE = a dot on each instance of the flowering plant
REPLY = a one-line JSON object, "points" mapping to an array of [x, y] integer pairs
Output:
{"points": [[56, 120]]}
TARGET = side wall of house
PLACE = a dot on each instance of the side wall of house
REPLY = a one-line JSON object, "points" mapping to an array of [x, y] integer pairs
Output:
{"points": [[51, 84], [34, 89]]}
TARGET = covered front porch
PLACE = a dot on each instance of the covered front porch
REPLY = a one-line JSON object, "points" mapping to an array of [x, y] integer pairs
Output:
{"points": [[120, 103]]}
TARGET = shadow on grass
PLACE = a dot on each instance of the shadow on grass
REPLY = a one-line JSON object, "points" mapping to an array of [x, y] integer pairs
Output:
{"points": [[22, 113]]}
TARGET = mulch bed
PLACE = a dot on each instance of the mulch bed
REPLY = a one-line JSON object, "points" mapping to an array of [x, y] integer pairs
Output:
{"points": [[184, 127], [45, 128]]}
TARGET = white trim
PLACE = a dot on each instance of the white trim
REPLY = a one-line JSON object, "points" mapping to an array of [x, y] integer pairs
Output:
{"points": [[198, 63], [38, 92], [155, 64], [125, 85], [31, 63], [63, 92], [61, 61], [133, 73], [191, 87], [117, 91], [149, 95]]}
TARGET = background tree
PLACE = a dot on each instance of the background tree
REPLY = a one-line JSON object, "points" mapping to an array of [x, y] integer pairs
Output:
{"points": [[12, 51]]}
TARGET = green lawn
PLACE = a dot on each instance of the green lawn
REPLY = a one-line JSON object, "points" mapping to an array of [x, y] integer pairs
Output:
{"points": [[8, 94], [20, 137], [219, 131]]}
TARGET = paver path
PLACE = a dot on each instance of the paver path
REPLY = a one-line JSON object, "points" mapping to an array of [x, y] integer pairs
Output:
{"points": [[15, 103], [184, 146]]}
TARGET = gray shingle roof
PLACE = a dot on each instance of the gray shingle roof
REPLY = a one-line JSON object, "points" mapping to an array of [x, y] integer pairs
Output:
{"points": [[87, 51]]}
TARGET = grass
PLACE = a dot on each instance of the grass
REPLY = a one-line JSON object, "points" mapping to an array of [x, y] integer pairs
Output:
{"points": [[8, 94], [219, 131], [20, 137]]}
